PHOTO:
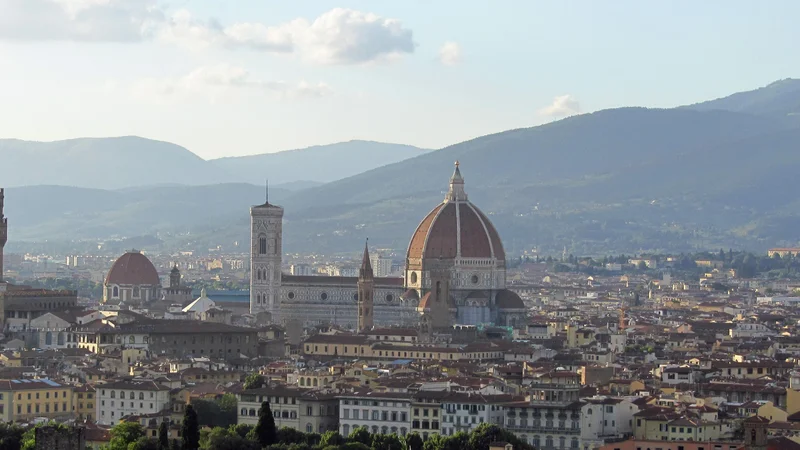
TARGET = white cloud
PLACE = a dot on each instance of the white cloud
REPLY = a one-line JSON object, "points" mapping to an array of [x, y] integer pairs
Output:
{"points": [[221, 80], [345, 36], [450, 54], [183, 29], [78, 20], [339, 36], [562, 106]]}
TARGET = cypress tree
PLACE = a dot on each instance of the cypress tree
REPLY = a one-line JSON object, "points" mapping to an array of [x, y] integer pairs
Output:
{"points": [[265, 429], [163, 436], [191, 429]]}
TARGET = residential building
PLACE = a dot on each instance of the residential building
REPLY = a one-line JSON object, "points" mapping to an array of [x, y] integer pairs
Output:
{"points": [[380, 412], [119, 399]]}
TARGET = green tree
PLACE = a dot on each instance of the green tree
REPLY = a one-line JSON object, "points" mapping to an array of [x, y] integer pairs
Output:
{"points": [[124, 434], [414, 441], [230, 442], [144, 443], [190, 429], [313, 439], [254, 381], [286, 435], [10, 436], [355, 446], [386, 442], [434, 442], [331, 438], [240, 430], [163, 436], [458, 441], [265, 430], [360, 434]]}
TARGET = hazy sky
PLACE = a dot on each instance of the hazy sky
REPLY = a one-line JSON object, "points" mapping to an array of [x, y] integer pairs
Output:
{"points": [[251, 76]]}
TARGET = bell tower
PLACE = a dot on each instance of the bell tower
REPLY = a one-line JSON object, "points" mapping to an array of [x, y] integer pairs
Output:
{"points": [[175, 278], [266, 236], [3, 231], [366, 287]]}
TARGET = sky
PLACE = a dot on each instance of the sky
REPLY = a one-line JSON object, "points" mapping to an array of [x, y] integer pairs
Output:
{"points": [[237, 77]]}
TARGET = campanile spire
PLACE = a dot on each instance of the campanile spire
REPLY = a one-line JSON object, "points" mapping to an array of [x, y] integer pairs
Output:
{"points": [[3, 230]]}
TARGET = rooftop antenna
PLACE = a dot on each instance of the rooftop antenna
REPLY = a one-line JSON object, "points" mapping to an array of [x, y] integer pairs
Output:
{"points": [[267, 190]]}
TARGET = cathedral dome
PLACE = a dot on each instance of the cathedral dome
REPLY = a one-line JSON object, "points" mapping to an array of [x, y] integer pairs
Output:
{"points": [[133, 268], [455, 228], [507, 299]]}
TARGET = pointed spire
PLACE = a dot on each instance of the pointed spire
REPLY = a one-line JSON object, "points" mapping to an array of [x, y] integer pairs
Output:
{"points": [[366, 264], [456, 192]]}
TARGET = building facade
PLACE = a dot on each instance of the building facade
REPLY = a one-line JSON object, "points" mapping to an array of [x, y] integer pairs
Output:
{"points": [[455, 238], [379, 412], [129, 398]]}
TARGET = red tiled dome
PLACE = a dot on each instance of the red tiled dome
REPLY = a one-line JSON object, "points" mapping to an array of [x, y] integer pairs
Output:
{"points": [[506, 299], [438, 235], [455, 228], [133, 268]]}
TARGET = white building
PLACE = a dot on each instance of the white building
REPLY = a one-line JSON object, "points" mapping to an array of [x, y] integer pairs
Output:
{"points": [[306, 410], [124, 398], [605, 418], [751, 330], [464, 411], [197, 308], [381, 267], [380, 412], [301, 270]]}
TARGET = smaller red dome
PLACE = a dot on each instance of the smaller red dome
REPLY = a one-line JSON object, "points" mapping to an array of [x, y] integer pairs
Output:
{"points": [[133, 268], [506, 299]]}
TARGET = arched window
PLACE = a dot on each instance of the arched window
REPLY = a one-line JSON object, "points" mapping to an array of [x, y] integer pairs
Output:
{"points": [[302, 381], [536, 441], [113, 394], [122, 395], [252, 412], [131, 340], [132, 396], [574, 443], [141, 395], [315, 381], [346, 430], [262, 245], [60, 338], [403, 431], [309, 428], [562, 442], [548, 441], [243, 411], [48, 338], [115, 292]]}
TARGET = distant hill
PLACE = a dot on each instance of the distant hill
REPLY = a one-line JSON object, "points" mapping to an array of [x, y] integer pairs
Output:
{"points": [[59, 212], [779, 99], [616, 181], [103, 163], [321, 163], [134, 162], [599, 182]]}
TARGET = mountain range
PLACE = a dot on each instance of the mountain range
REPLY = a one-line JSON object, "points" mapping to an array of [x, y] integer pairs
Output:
{"points": [[131, 161], [708, 175]]}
